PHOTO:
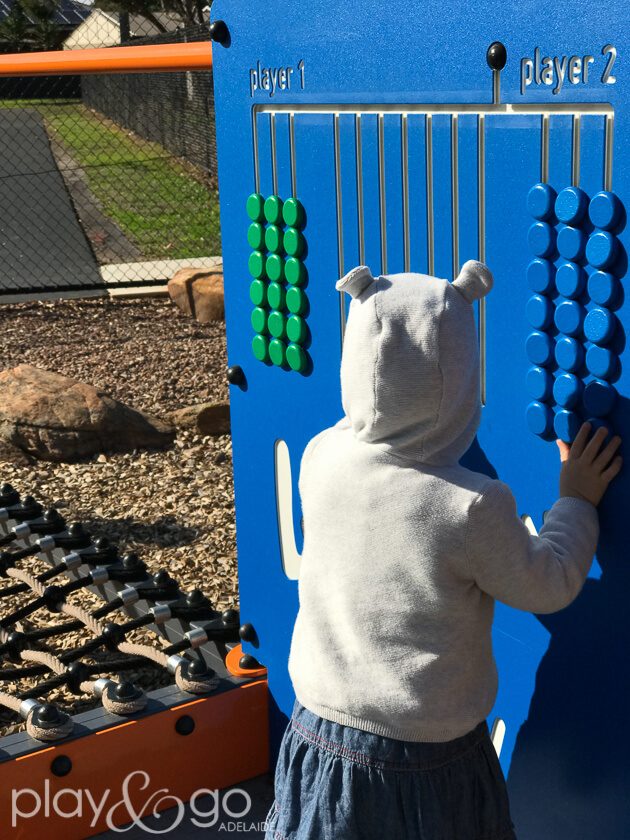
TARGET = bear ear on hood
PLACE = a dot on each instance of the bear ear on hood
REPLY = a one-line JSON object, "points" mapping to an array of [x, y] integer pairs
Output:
{"points": [[474, 280], [356, 281]]}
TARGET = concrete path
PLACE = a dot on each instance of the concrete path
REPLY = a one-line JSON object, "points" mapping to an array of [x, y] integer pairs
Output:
{"points": [[42, 244]]}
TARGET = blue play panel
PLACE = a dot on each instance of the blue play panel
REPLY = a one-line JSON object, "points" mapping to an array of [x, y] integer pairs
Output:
{"points": [[391, 136]]}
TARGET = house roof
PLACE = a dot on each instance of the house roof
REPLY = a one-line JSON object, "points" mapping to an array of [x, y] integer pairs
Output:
{"points": [[69, 13]]}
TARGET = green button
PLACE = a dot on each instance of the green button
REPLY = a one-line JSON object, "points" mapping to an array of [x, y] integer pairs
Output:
{"points": [[273, 209], [274, 267], [293, 213], [256, 207], [256, 236], [294, 242], [259, 319], [257, 264], [276, 295], [273, 239], [295, 272], [296, 329], [277, 324], [277, 351], [260, 347], [258, 292], [296, 300], [297, 358]]}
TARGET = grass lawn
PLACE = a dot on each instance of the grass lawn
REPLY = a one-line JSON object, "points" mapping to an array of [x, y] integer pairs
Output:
{"points": [[153, 197]]}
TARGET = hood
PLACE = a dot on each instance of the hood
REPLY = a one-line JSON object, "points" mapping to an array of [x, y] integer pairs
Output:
{"points": [[410, 362]]}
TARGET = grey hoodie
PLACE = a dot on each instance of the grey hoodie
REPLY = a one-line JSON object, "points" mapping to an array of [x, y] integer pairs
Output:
{"points": [[404, 550]]}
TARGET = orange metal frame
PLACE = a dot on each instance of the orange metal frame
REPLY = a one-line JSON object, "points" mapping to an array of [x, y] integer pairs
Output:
{"points": [[229, 744], [155, 58]]}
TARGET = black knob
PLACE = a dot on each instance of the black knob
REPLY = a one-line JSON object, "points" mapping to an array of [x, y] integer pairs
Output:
{"points": [[198, 668], [76, 673], [101, 544], [496, 56], [235, 375], [247, 633], [53, 597], [219, 31], [248, 662], [230, 617], [131, 561], [113, 635], [76, 530], [61, 765], [127, 691], [48, 714], [196, 597]]}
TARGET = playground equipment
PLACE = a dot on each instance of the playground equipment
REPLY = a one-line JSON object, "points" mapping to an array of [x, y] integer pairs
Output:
{"points": [[415, 137]]}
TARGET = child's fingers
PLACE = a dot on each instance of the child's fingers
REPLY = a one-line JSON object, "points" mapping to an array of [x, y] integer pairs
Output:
{"points": [[564, 450], [605, 456], [613, 469], [579, 443], [593, 446]]}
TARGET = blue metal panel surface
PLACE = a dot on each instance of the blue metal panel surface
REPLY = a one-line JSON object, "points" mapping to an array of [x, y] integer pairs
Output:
{"points": [[386, 123]]}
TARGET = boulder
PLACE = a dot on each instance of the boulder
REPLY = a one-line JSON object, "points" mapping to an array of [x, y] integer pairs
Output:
{"points": [[198, 293], [56, 418], [206, 418]]}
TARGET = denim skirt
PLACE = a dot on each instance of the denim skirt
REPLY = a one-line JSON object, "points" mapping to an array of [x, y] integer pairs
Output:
{"points": [[335, 782]]}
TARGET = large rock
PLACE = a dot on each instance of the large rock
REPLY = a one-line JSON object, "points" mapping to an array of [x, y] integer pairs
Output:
{"points": [[198, 293], [56, 418], [206, 418]]}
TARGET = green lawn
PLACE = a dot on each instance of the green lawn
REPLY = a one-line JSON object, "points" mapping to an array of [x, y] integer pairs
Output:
{"points": [[153, 197]]}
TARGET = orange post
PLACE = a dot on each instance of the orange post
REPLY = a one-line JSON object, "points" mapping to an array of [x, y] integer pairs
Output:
{"points": [[155, 58]]}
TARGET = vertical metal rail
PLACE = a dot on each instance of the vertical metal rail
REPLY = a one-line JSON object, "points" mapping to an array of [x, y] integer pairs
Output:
{"points": [[404, 152], [360, 208], [455, 193], [274, 160], [292, 155], [575, 151], [608, 154], [428, 136], [381, 194], [481, 209], [340, 257]]}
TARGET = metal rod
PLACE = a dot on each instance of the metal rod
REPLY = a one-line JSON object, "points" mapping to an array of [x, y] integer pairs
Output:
{"points": [[455, 193], [428, 133], [544, 150], [381, 194], [340, 257], [575, 152], [360, 207], [154, 58], [608, 159], [481, 210], [405, 187]]}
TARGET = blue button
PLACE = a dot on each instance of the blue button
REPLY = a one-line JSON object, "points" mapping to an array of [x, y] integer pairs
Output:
{"points": [[599, 398], [570, 279], [569, 317], [569, 354], [566, 425], [571, 243], [571, 205], [605, 210], [601, 249], [567, 390], [602, 288], [539, 383], [539, 348], [601, 361], [540, 274], [540, 201], [539, 418], [539, 311], [541, 239], [599, 325]]}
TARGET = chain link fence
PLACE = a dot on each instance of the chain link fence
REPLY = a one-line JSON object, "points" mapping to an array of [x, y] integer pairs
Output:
{"points": [[106, 180]]}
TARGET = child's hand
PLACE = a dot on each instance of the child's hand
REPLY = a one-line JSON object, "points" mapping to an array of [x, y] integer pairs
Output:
{"points": [[586, 471]]}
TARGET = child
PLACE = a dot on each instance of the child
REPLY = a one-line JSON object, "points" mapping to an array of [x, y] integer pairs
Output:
{"points": [[404, 554]]}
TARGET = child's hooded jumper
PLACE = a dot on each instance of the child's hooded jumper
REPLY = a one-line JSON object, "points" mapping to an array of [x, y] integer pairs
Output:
{"points": [[404, 550]]}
